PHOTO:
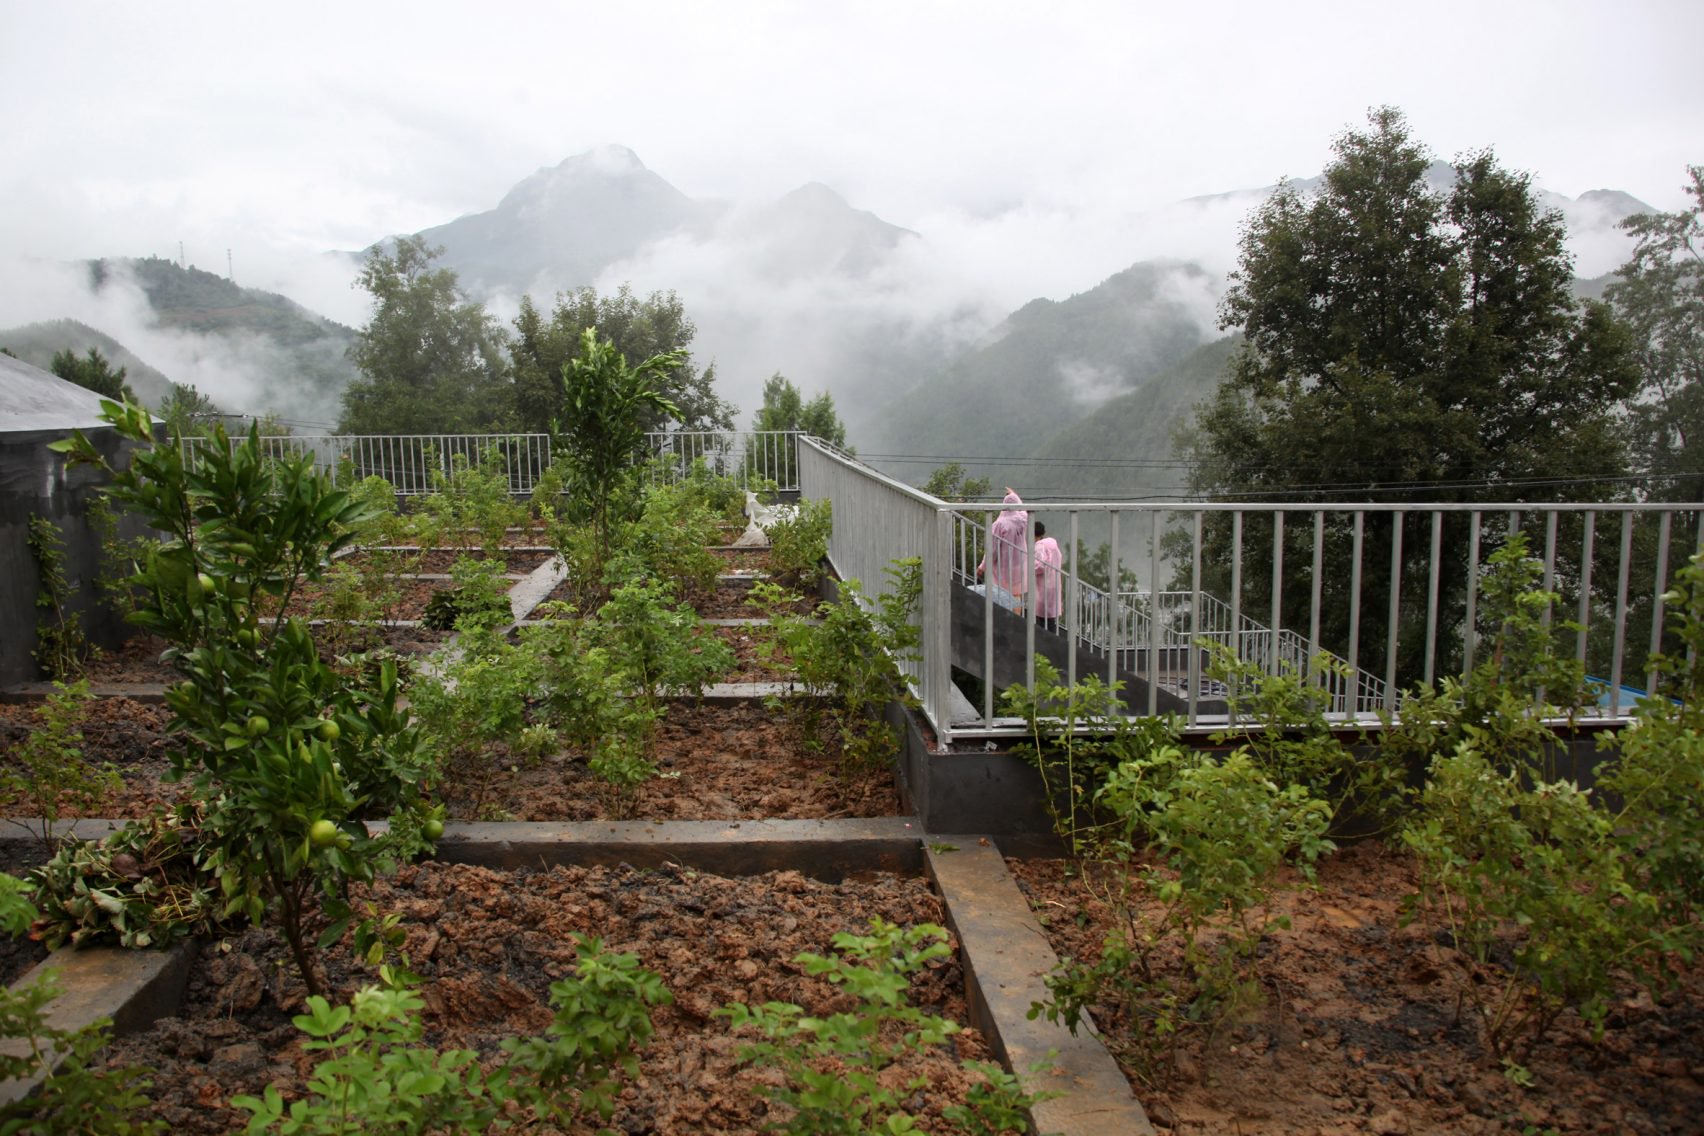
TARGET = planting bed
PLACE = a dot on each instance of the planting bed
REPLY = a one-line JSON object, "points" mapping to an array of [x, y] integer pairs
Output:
{"points": [[1359, 1030], [439, 561], [724, 760], [488, 945], [721, 760]]}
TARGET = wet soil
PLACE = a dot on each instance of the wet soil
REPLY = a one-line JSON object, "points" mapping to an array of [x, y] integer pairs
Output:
{"points": [[439, 561], [488, 945], [717, 761], [756, 657], [1358, 1030]]}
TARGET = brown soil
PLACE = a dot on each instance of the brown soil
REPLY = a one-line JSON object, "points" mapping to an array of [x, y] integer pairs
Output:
{"points": [[131, 736], [743, 561], [720, 761], [439, 561], [1359, 1030], [751, 664], [488, 945], [410, 606], [138, 662], [731, 600]]}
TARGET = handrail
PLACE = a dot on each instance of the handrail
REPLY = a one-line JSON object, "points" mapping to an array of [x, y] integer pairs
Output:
{"points": [[415, 463]]}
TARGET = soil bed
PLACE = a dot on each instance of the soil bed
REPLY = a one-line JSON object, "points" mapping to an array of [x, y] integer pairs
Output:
{"points": [[413, 594], [487, 946], [718, 761], [750, 662], [743, 561], [439, 561], [129, 735], [731, 600], [138, 662], [1359, 1029]]}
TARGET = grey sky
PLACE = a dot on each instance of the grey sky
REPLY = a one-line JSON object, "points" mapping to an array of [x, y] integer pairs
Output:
{"points": [[281, 130]]}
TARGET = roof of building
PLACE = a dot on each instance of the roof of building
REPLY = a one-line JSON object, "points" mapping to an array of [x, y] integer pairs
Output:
{"points": [[33, 400]]}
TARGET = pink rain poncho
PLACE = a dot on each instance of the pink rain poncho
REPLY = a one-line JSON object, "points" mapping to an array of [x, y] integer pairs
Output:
{"points": [[1049, 579], [1006, 564]]}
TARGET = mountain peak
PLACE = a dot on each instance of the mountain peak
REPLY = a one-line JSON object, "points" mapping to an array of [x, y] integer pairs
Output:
{"points": [[609, 159]]}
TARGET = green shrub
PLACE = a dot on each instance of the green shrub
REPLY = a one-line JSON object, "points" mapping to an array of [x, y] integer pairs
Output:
{"points": [[798, 543], [47, 772], [279, 747]]}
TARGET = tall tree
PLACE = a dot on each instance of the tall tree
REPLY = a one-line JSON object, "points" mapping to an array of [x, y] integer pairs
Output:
{"points": [[640, 330], [186, 411], [92, 372], [431, 360], [607, 407], [1401, 341], [784, 408], [1660, 294]]}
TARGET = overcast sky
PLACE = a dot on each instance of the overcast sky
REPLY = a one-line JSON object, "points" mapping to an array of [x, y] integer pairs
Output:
{"points": [[296, 127]]}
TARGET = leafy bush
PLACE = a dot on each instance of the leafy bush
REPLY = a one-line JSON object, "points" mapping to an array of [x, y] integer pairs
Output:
{"points": [[1077, 736], [669, 540], [378, 1078], [288, 757], [77, 1095], [470, 506], [80, 1095], [1296, 744], [848, 658], [832, 1066], [48, 772], [478, 597], [659, 649], [798, 542], [1528, 875]]}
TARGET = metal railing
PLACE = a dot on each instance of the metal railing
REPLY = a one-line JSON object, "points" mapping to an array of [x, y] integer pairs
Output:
{"points": [[1390, 595], [415, 464]]}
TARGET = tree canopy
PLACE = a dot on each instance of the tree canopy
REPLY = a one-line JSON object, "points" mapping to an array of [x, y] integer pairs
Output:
{"points": [[92, 372], [431, 360], [639, 329], [1660, 293], [1402, 341], [784, 408], [1400, 338]]}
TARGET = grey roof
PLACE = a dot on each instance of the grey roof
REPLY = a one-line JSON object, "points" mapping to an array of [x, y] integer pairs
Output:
{"points": [[32, 399]]}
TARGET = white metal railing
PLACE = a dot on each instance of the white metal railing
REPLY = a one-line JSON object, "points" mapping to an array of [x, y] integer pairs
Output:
{"points": [[1187, 621], [414, 464], [1384, 597]]}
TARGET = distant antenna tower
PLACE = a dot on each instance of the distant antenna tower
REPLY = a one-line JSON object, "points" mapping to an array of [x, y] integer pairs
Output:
{"points": [[180, 254], [229, 275]]}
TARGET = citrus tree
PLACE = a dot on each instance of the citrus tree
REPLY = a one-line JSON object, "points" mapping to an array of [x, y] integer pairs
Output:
{"points": [[288, 757]]}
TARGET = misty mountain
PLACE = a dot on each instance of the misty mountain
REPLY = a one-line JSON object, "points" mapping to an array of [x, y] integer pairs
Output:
{"points": [[1049, 365], [1127, 447], [37, 344], [561, 227], [567, 226], [253, 352]]}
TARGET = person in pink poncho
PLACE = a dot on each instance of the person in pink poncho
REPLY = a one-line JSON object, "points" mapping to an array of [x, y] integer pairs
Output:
{"points": [[1006, 566], [1049, 578]]}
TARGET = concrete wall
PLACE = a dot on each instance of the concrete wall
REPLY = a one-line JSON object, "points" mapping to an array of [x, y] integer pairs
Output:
{"points": [[34, 481]]}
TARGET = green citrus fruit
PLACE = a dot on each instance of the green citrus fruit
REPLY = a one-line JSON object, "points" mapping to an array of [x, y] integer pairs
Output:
{"points": [[258, 725], [433, 828], [207, 584], [322, 834], [328, 731]]}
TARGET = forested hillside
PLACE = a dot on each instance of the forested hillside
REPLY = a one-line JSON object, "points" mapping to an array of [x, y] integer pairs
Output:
{"points": [[37, 343]]}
